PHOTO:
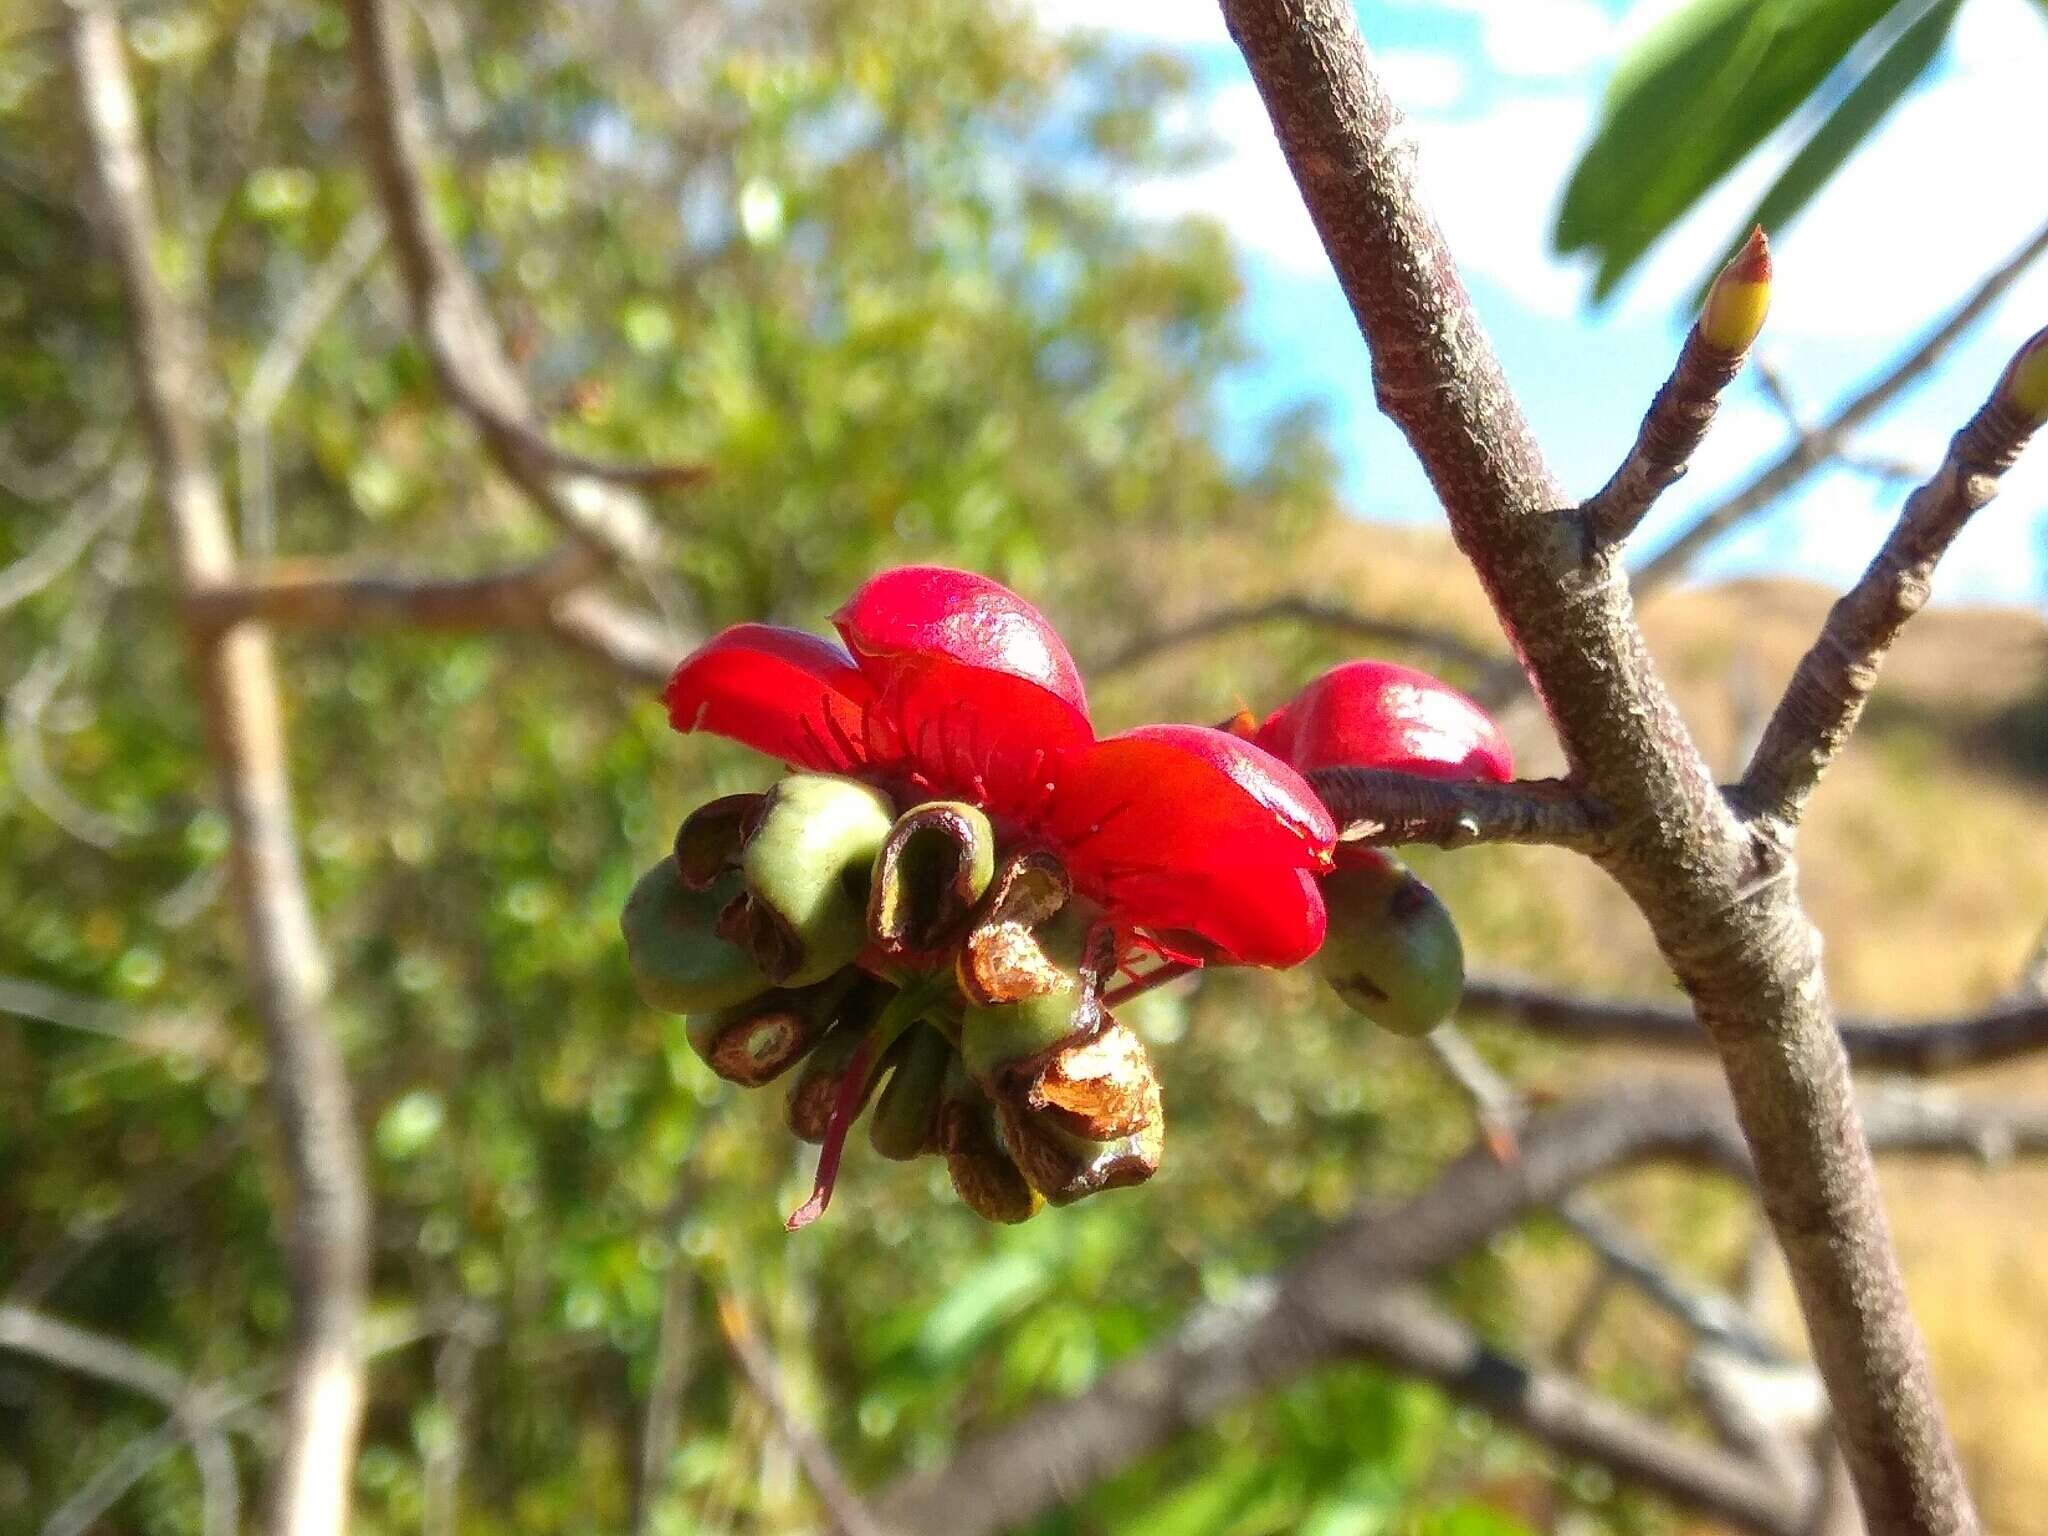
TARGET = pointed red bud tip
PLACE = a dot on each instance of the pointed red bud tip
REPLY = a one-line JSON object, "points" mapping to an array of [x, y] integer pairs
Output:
{"points": [[1740, 297], [2025, 385]]}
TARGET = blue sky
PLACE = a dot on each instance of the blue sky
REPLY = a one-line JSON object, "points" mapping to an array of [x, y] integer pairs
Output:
{"points": [[1501, 95]]}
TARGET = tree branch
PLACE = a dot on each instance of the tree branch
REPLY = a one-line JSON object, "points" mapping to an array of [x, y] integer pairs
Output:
{"points": [[1301, 608], [849, 1516], [1810, 450], [2005, 1031], [588, 498], [89, 1354], [1718, 896], [327, 1224], [1832, 682], [1677, 421], [1381, 805]]}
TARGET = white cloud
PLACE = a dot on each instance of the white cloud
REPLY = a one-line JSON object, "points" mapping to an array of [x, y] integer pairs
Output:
{"points": [[1188, 22], [1539, 39], [1423, 80]]}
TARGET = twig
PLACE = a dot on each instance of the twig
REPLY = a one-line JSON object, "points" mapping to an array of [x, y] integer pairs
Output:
{"points": [[1812, 450], [69, 537], [1303, 609], [89, 1354], [280, 361], [842, 1505], [1677, 421], [1826, 695], [587, 498], [328, 1221], [1380, 805], [63, 477], [665, 1389], [2004, 1031], [330, 595]]}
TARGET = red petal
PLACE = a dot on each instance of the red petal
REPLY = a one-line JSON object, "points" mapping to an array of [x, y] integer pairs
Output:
{"points": [[931, 611], [1373, 714], [1264, 914], [780, 691], [1185, 827]]}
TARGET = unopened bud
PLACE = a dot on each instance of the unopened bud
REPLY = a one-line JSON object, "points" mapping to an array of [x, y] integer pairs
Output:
{"points": [[709, 840], [1732, 317], [1065, 1167], [905, 1121], [986, 1180], [807, 863], [759, 1040], [934, 867], [1006, 1044], [679, 961], [2025, 384], [1392, 952]]}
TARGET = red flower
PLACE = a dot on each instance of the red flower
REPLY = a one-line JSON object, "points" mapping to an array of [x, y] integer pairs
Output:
{"points": [[1373, 714], [955, 687]]}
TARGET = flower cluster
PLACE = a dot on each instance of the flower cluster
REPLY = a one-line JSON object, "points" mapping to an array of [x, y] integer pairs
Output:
{"points": [[937, 909]]}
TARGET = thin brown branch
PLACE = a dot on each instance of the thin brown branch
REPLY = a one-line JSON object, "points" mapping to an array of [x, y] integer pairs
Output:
{"points": [[71, 1348], [591, 499], [1812, 450], [849, 1516], [2005, 1031], [327, 1224], [1833, 681], [1717, 895], [1299, 608], [1677, 421], [330, 595], [1383, 806]]}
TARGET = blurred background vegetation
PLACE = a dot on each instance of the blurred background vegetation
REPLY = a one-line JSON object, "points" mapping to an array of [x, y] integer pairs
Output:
{"points": [[867, 261]]}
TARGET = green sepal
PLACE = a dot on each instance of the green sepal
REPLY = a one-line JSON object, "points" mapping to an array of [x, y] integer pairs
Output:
{"points": [[807, 865], [905, 1122], [679, 963]]}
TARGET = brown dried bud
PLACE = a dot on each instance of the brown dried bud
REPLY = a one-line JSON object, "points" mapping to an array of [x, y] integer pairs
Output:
{"points": [[759, 1040], [937, 862], [808, 1110], [1101, 1087], [1064, 1167], [986, 1180], [709, 840]]}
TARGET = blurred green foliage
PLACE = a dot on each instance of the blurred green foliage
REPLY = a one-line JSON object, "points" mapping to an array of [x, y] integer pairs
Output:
{"points": [[866, 260]]}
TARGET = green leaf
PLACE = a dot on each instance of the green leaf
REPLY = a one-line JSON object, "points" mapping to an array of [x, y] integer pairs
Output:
{"points": [[1859, 112], [1697, 95]]}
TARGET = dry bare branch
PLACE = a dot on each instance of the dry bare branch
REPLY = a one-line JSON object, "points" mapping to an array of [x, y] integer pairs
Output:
{"points": [[590, 499], [1718, 896], [1300, 608], [1832, 682], [2004, 1031], [849, 1516], [72, 1348], [328, 1220], [1381, 805]]}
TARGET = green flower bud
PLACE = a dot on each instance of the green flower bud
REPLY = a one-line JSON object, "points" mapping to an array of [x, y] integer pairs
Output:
{"points": [[1392, 952], [679, 961], [807, 865], [905, 1121], [1065, 1167], [986, 1180], [759, 1040], [1005, 1044], [937, 862], [709, 840]]}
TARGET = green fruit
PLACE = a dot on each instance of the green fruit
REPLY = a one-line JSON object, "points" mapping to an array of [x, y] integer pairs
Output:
{"points": [[905, 1122], [807, 865], [1392, 952], [678, 962]]}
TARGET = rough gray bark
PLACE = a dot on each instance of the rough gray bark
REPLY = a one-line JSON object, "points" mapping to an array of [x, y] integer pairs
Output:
{"points": [[327, 1236], [1718, 891]]}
